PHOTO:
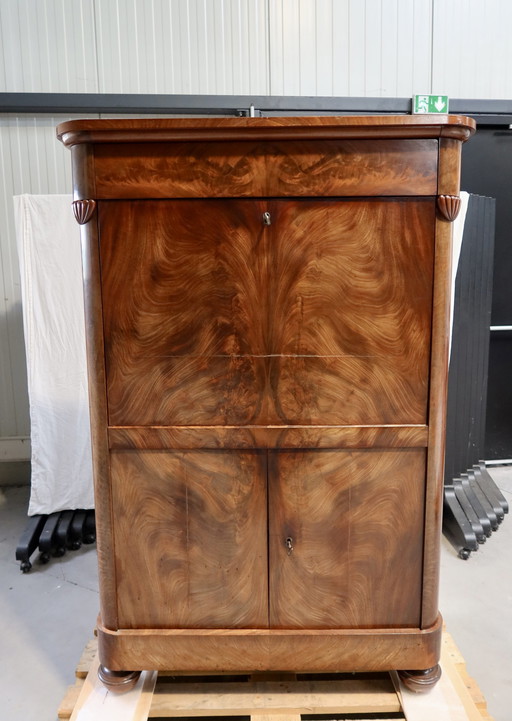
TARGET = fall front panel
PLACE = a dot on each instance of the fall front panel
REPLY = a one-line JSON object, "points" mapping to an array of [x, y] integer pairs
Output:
{"points": [[190, 534], [240, 312], [346, 538]]}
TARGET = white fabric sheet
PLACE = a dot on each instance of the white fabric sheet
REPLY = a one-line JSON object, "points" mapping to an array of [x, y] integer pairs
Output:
{"points": [[48, 239], [458, 232]]}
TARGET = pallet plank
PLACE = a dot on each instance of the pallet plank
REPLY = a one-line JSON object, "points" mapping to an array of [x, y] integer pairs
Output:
{"points": [[465, 699], [70, 700], [450, 651], [276, 717], [296, 697], [87, 658], [440, 703]]}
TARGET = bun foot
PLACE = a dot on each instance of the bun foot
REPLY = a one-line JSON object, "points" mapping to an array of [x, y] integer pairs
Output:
{"points": [[117, 681], [421, 681]]}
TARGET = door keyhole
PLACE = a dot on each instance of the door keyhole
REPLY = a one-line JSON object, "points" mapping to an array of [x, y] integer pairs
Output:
{"points": [[289, 545]]}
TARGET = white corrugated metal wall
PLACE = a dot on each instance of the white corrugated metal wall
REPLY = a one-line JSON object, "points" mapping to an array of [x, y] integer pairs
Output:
{"points": [[368, 48], [391, 48]]}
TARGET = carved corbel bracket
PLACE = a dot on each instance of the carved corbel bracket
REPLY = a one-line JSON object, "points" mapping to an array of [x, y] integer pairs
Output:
{"points": [[84, 210], [448, 206]]}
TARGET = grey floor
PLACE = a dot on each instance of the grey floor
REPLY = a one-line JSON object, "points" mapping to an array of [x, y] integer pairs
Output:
{"points": [[48, 615]]}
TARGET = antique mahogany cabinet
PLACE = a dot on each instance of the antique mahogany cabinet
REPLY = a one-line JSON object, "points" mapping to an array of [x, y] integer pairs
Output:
{"points": [[267, 311]]}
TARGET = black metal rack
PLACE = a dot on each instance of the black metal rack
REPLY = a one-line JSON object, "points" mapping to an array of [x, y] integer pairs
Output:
{"points": [[54, 534], [473, 505]]}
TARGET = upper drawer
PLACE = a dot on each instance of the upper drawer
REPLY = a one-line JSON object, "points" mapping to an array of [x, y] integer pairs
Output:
{"points": [[405, 167]]}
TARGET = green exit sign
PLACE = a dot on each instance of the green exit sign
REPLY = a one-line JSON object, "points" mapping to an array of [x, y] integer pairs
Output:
{"points": [[430, 104]]}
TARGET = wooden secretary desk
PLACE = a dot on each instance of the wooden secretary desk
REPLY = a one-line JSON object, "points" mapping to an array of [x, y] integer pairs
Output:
{"points": [[267, 311]]}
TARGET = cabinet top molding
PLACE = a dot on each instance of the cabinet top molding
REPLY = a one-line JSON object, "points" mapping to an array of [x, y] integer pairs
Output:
{"points": [[75, 132]]}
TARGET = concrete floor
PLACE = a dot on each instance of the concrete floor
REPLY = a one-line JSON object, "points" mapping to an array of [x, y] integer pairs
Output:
{"points": [[48, 615]]}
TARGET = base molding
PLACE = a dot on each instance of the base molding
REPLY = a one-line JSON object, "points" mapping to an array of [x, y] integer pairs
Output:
{"points": [[250, 650]]}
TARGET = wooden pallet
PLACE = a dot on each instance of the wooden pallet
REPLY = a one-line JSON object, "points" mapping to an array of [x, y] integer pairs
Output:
{"points": [[272, 697]]}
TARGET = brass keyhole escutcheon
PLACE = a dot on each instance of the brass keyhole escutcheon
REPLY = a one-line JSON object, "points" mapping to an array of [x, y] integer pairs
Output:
{"points": [[267, 220], [289, 545]]}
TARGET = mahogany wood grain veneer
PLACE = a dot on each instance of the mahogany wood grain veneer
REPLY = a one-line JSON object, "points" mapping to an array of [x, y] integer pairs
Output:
{"points": [[267, 321]]}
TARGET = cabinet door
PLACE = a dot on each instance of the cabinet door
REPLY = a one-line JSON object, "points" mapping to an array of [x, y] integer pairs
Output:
{"points": [[346, 538], [351, 310], [190, 536], [184, 291]]}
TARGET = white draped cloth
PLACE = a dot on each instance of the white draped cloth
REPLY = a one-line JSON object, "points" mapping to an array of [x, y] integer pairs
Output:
{"points": [[48, 240]]}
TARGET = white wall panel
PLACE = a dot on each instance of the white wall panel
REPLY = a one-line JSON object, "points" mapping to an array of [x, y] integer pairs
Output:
{"points": [[390, 62], [339, 15], [13, 403], [420, 56], [350, 47], [182, 46], [47, 46], [356, 60], [472, 49], [305, 47]]}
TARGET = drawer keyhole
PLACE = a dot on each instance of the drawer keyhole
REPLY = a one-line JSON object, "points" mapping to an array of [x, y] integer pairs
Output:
{"points": [[267, 220], [289, 545]]}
